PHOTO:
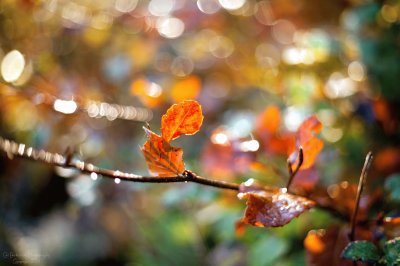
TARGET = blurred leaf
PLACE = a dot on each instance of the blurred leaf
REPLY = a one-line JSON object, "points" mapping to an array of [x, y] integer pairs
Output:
{"points": [[361, 251], [162, 159], [271, 207], [392, 184], [183, 118], [305, 180], [149, 93], [392, 252], [323, 247], [387, 160], [225, 161], [391, 227], [186, 89], [266, 130], [306, 139], [341, 197], [269, 120], [267, 250], [314, 243]]}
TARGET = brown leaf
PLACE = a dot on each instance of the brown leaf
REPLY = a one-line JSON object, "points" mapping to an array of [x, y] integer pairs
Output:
{"points": [[162, 159], [306, 139], [271, 207], [182, 118]]}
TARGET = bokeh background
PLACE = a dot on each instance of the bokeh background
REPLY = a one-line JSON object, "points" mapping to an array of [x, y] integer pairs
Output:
{"points": [[89, 74]]}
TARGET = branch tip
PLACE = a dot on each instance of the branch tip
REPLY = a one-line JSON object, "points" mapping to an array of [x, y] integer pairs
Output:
{"points": [[292, 173], [361, 183]]}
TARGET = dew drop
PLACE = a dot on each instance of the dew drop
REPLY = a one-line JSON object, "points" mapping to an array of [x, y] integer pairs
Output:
{"points": [[93, 176]]}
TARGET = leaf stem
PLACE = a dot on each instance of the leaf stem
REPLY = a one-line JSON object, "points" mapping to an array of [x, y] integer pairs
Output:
{"points": [[361, 183], [292, 173]]}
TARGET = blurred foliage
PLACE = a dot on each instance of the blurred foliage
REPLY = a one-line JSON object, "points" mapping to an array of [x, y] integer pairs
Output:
{"points": [[87, 74]]}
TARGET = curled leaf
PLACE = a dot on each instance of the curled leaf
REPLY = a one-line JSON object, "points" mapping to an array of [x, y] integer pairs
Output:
{"points": [[162, 159], [305, 138], [271, 207], [182, 118]]}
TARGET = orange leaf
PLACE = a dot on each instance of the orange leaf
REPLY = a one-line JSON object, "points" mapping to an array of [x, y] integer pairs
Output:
{"points": [[271, 207], [305, 138], [162, 159], [182, 118]]}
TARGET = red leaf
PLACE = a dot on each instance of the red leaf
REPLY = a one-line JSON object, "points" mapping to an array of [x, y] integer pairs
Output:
{"points": [[271, 207], [305, 138], [162, 159], [182, 118]]}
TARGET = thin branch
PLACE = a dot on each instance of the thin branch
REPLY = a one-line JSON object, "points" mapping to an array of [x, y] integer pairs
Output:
{"points": [[12, 149], [291, 172], [20, 150], [209, 182], [361, 183]]}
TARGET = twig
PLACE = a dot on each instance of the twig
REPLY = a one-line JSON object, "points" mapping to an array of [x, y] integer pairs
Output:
{"points": [[190, 176], [20, 150], [361, 183], [292, 173]]}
